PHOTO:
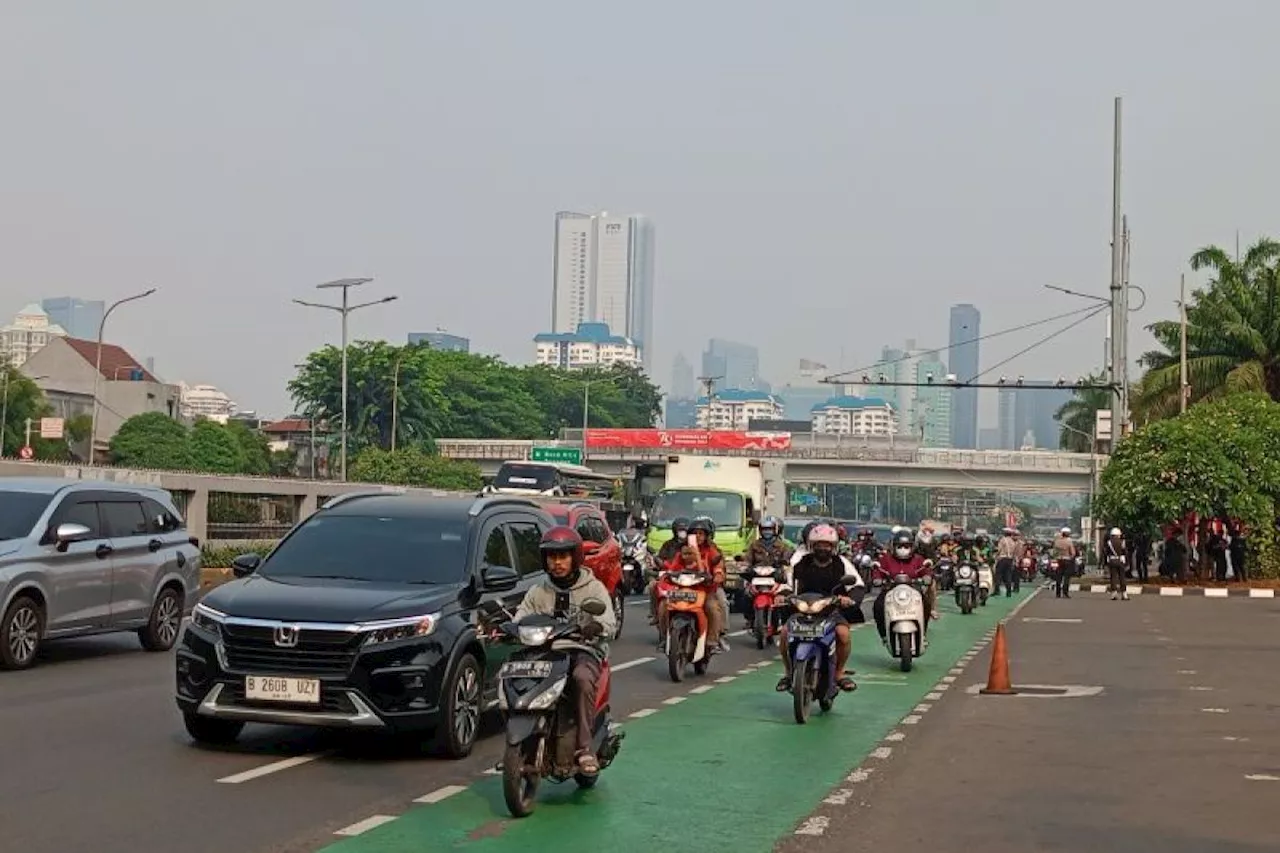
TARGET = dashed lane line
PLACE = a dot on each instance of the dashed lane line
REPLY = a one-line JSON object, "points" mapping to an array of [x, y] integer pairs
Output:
{"points": [[637, 662], [440, 794], [273, 767], [365, 825]]}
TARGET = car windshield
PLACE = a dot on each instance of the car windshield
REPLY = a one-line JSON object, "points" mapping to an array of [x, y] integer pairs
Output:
{"points": [[726, 509], [540, 477], [19, 512], [377, 549]]}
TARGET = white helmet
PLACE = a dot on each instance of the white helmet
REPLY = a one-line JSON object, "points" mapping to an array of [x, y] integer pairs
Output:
{"points": [[824, 533], [1066, 531], [1115, 531]]}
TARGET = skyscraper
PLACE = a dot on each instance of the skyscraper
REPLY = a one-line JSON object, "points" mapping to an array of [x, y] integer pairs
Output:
{"points": [[682, 379], [603, 273], [963, 358], [441, 341], [1026, 415], [737, 365], [80, 317]]}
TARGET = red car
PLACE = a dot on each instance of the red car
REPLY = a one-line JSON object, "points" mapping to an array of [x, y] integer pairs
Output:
{"points": [[601, 551]]}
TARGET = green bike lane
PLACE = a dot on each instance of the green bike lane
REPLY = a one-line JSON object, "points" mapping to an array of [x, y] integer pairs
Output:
{"points": [[725, 769]]}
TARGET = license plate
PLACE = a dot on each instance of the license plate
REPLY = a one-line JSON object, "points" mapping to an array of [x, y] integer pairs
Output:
{"points": [[525, 669], [808, 630], [763, 583], [301, 691], [683, 595]]}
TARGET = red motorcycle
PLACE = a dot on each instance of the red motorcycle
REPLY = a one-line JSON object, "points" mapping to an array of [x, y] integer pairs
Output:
{"points": [[1027, 568], [765, 586]]}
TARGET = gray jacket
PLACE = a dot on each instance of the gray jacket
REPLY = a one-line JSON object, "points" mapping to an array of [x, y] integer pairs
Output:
{"points": [[541, 600]]}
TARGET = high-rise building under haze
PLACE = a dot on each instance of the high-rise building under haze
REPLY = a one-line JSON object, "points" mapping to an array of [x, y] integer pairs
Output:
{"points": [[682, 379], [603, 273], [962, 355]]}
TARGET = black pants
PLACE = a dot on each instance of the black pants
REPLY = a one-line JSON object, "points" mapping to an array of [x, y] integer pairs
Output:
{"points": [[1062, 583], [1119, 583], [1237, 562], [1006, 575], [1220, 564]]}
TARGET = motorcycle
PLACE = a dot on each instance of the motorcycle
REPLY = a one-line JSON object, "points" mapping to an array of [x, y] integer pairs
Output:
{"points": [[765, 585], [904, 618], [985, 582], [811, 646], [1027, 568], [966, 587], [541, 726], [946, 575], [687, 640], [635, 561]]}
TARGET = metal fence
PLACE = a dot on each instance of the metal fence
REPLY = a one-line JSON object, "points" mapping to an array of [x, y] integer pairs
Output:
{"points": [[241, 516]]}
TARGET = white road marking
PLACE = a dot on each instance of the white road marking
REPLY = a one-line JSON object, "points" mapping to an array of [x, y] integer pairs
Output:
{"points": [[725, 679], [743, 632], [959, 670], [439, 794], [365, 825], [1215, 710], [1054, 620], [1174, 591], [882, 752], [674, 700], [911, 719], [1163, 639], [1098, 587], [1235, 739], [1216, 593], [1201, 689], [933, 697], [894, 737], [941, 687], [1186, 672], [839, 798], [860, 775], [922, 708], [493, 771], [705, 688], [815, 825], [643, 712], [746, 671], [273, 767], [1262, 593], [1262, 777], [948, 679], [620, 667]]}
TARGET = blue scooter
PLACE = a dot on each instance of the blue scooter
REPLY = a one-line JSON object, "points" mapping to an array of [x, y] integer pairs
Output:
{"points": [[811, 645]]}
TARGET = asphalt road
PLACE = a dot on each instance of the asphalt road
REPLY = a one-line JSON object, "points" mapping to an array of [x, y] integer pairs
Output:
{"points": [[1179, 753], [95, 757]]}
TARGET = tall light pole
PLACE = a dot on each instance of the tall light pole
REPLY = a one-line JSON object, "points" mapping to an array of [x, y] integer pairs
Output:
{"points": [[395, 399], [345, 284], [1119, 307], [97, 368]]}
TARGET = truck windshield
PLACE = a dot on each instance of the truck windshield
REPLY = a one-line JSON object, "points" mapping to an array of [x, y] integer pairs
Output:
{"points": [[726, 509]]}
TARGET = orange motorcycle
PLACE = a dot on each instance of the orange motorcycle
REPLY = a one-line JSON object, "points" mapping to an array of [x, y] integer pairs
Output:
{"points": [[686, 593]]}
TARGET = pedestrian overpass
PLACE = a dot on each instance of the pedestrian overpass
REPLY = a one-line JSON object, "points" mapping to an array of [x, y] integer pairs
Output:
{"points": [[1002, 470]]}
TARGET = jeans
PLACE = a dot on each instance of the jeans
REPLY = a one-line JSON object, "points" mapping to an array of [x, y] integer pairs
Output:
{"points": [[586, 676]]}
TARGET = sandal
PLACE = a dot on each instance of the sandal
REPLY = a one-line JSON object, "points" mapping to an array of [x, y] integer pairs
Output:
{"points": [[588, 765], [847, 684], [783, 685]]}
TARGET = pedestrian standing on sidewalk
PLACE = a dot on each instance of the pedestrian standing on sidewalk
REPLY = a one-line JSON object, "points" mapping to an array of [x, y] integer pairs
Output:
{"points": [[1064, 551], [1007, 551], [1113, 554], [1237, 550]]}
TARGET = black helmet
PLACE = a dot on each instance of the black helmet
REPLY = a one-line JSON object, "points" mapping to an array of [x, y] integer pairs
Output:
{"points": [[680, 524], [706, 525], [804, 533], [903, 539], [560, 540]]}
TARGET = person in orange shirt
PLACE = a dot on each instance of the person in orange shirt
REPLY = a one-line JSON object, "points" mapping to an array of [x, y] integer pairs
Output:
{"points": [[711, 561]]}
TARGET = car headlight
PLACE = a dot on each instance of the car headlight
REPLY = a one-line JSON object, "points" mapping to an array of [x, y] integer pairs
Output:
{"points": [[390, 630], [206, 618], [535, 636]]}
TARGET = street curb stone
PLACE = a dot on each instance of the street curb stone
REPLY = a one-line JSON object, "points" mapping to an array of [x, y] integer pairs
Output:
{"points": [[1180, 591]]}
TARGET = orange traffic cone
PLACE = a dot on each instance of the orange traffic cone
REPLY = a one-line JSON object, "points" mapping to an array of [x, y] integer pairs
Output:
{"points": [[998, 683]]}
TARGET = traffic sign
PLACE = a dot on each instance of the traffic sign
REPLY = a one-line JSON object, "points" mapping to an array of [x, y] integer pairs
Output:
{"points": [[51, 428], [26, 453], [570, 455]]}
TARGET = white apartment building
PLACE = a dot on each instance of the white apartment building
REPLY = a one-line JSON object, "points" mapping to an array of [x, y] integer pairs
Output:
{"points": [[592, 345], [846, 415], [603, 273], [205, 401], [735, 409], [29, 332]]}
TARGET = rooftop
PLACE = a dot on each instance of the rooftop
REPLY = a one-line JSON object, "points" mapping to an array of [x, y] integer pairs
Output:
{"points": [[849, 402], [114, 359], [740, 395], [588, 333]]}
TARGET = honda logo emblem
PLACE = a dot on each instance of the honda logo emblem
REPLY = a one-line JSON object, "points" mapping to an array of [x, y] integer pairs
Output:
{"points": [[286, 636]]}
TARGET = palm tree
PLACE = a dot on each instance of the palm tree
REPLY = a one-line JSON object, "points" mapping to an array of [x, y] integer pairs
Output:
{"points": [[1233, 334], [1079, 414]]}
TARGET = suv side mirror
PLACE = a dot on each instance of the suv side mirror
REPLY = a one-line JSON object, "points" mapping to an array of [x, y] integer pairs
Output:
{"points": [[68, 533], [499, 578], [245, 564]]}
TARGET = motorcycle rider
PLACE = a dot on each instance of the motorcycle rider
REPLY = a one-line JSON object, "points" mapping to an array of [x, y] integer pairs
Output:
{"points": [[802, 549], [669, 551], [1008, 551], [867, 544], [711, 561], [902, 560], [561, 594], [767, 549], [946, 547], [821, 571], [1064, 551]]}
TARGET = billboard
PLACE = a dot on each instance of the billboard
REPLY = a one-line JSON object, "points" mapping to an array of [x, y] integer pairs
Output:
{"points": [[686, 439]]}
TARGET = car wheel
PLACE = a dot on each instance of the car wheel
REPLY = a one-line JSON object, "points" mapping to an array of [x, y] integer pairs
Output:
{"points": [[462, 701], [20, 633], [165, 623], [210, 731]]}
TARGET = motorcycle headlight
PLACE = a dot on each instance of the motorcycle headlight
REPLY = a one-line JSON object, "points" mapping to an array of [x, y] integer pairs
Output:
{"points": [[536, 635], [902, 596], [206, 618], [965, 572], [390, 630], [687, 580], [815, 607]]}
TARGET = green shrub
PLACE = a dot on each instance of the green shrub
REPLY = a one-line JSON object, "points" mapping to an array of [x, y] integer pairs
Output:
{"points": [[216, 555]]}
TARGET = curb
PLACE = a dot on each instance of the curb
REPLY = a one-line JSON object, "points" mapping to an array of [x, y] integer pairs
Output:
{"points": [[1180, 591]]}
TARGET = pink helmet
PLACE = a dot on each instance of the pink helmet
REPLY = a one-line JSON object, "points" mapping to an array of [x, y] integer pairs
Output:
{"points": [[824, 533]]}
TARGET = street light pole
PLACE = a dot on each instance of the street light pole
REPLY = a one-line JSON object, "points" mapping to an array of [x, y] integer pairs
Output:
{"points": [[97, 368], [1118, 306], [345, 309], [395, 400]]}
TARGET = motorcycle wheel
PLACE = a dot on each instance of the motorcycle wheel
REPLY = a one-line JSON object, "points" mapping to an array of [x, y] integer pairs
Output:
{"points": [[619, 612], [801, 699], [675, 657], [518, 787], [966, 604], [762, 619], [826, 704], [904, 652]]}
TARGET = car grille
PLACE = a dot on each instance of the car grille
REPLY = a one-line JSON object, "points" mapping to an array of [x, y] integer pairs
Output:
{"points": [[253, 649]]}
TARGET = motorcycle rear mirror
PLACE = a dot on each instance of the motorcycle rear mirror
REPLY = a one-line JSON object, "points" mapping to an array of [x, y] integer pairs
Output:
{"points": [[848, 580], [594, 607]]}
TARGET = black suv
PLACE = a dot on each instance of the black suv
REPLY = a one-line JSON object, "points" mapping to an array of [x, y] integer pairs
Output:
{"points": [[367, 615]]}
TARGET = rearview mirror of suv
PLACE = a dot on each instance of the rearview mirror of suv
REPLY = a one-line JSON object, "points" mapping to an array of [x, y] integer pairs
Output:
{"points": [[68, 533], [499, 578], [245, 565]]}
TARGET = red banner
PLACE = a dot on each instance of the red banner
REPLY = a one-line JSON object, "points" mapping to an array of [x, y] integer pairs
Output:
{"points": [[686, 439]]}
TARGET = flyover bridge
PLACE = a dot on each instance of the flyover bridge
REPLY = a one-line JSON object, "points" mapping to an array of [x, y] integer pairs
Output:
{"points": [[1013, 470]]}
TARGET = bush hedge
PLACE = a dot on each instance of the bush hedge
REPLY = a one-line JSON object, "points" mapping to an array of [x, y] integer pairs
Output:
{"points": [[218, 555]]}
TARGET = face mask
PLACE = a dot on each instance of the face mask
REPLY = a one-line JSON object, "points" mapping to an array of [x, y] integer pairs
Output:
{"points": [[767, 535], [902, 553]]}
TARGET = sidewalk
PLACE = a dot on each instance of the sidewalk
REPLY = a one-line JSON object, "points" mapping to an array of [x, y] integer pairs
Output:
{"points": [[1178, 754]]}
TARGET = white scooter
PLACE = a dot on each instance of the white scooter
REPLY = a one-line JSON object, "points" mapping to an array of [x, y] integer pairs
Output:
{"points": [[966, 585], [904, 618], [986, 580]]}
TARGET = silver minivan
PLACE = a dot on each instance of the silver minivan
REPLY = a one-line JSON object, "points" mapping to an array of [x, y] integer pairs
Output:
{"points": [[84, 557]]}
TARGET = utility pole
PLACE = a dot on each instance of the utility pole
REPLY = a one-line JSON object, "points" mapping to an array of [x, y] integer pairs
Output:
{"points": [[1184, 387], [709, 384], [1126, 242], [1118, 307]]}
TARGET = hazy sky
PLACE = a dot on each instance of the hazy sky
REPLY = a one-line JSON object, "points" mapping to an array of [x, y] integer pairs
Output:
{"points": [[824, 177]]}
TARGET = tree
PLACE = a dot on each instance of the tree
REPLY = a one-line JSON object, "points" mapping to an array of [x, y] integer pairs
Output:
{"points": [[1078, 416], [255, 451], [215, 449], [1233, 334], [152, 440], [413, 467]]}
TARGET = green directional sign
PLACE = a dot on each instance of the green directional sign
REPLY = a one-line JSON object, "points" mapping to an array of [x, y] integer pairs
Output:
{"points": [[571, 455]]}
